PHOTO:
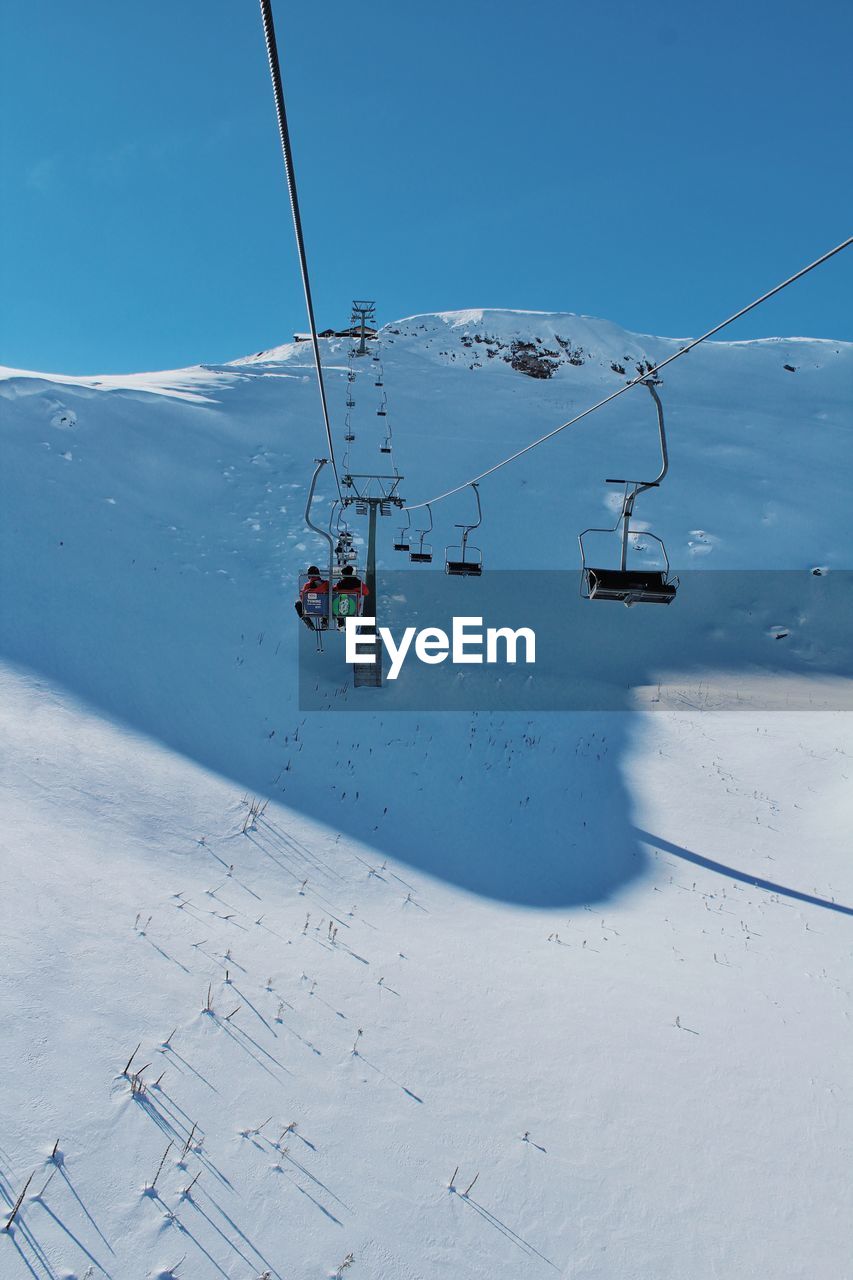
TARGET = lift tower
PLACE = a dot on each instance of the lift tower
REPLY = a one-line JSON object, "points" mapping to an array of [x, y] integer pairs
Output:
{"points": [[370, 494], [363, 313]]}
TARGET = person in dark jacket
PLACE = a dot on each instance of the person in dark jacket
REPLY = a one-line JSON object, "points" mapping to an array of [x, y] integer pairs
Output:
{"points": [[349, 582], [348, 585]]}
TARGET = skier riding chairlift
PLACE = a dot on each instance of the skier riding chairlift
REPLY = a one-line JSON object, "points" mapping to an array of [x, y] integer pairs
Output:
{"points": [[348, 595], [311, 606]]}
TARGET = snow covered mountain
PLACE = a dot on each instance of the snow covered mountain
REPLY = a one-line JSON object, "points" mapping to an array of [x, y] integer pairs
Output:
{"points": [[599, 960]]}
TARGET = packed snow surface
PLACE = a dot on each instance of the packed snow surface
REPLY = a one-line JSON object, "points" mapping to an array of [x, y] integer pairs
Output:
{"points": [[404, 996]]}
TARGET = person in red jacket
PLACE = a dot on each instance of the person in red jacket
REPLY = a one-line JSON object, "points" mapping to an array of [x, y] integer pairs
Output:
{"points": [[314, 583]]}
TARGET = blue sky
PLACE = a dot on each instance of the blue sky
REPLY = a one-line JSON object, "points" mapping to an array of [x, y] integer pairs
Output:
{"points": [[656, 164]]}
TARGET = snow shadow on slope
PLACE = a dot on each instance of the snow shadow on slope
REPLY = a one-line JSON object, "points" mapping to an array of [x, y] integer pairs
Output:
{"points": [[526, 809]]}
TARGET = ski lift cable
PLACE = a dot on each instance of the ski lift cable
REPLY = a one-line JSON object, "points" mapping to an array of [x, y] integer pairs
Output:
{"points": [[284, 133], [682, 351]]}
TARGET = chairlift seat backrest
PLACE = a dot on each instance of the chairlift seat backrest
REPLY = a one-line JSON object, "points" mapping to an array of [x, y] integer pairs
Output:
{"points": [[631, 586], [347, 604], [463, 561], [315, 602], [463, 568]]}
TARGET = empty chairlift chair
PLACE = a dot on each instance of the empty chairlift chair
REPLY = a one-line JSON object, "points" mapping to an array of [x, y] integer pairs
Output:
{"points": [[632, 585], [423, 554], [402, 541], [462, 560]]}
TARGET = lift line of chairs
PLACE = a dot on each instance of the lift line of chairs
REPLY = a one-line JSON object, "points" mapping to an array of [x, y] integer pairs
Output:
{"points": [[463, 560], [627, 584]]}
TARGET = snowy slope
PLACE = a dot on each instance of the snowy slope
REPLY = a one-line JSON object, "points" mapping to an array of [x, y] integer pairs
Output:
{"points": [[624, 936]]}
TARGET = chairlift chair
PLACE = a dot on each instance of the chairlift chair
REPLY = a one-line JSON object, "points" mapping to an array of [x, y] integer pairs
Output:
{"points": [[345, 552], [463, 561], [626, 585], [385, 447], [402, 541], [423, 555], [314, 598]]}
